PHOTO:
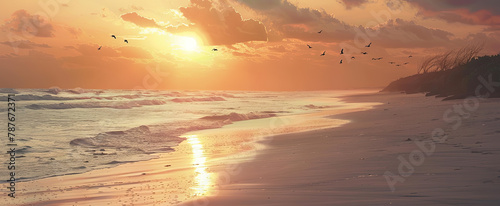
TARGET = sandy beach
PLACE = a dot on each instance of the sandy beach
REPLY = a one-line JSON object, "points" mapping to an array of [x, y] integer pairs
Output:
{"points": [[345, 165], [336, 166]]}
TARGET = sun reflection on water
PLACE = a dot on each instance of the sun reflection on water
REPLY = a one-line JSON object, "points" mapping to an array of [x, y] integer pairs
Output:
{"points": [[202, 178]]}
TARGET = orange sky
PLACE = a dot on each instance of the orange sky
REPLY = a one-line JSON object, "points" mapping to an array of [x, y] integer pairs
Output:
{"points": [[262, 44]]}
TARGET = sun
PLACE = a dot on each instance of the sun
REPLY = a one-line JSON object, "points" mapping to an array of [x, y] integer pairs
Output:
{"points": [[186, 43]]}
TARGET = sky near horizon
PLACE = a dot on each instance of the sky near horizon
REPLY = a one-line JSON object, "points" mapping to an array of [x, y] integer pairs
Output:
{"points": [[261, 44]]}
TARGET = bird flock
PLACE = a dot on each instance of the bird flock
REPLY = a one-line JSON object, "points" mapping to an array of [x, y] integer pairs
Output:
{"points": [[114, 37], [363, 53], [322, 54]]}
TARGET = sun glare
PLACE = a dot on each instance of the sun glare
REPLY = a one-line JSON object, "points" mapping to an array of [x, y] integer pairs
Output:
{"points": [[186, 43]]}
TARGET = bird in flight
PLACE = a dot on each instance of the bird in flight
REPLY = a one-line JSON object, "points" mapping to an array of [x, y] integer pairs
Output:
{"points": [[214, 49], [99, 48], [341, 61], [324, 53], [319, 32], [370, 44], [113, 36], [364, 53], [309, 46], [342, 51], [126, 41]]}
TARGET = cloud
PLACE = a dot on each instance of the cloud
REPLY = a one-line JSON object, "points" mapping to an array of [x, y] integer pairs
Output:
{"points": [[286, 20], [134, 52], [222, 26], [74, 31], [482, 17], [490, 42], [400, 33], [25, 44], [132, 7], [284, 12], [262, 4], [23, 23], [349, 4], [446, 5], [244, 54], [139, 20], [484, 12]]}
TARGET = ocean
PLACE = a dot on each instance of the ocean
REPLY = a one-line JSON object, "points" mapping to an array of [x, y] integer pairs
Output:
{"points": [[70, 131]]}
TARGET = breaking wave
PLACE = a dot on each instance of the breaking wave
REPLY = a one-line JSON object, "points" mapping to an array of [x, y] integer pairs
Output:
{"points": [[31, 97], [8, 91], [139, 138], [198, 99], [160, 138], [239, 117], [114, 105]]}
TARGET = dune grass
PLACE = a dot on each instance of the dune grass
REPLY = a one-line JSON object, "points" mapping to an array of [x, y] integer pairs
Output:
{"points": [[450, 59]]}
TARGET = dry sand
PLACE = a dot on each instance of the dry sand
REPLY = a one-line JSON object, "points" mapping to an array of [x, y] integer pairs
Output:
{"points": [[336, 166]]}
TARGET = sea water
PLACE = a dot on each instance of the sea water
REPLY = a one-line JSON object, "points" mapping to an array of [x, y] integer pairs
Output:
{"points": [[60, 132]]}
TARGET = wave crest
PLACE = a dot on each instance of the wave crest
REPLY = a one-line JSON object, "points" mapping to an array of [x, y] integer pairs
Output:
{"points": [[114, 105], [198, 99]]}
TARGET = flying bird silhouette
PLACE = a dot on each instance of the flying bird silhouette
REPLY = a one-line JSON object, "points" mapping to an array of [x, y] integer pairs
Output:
{"points": [[309, 46], [126, 41], [324, 53], [214, 49], [342, 51], [113, 36], [370, 44], [364, 53], [99, 48], [319, 32]]}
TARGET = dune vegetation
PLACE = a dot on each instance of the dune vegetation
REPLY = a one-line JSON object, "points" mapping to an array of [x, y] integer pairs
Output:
{"points": [[453, 75]]}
